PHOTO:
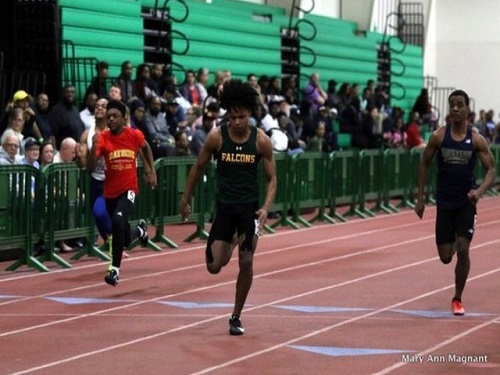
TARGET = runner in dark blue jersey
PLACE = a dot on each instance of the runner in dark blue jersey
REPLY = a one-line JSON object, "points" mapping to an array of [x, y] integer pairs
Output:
{"points": [[457, 147]]}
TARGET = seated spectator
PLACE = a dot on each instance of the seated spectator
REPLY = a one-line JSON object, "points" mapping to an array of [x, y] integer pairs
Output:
{"points": [[209, 120], [9, 151], [413, 128], [125, 81], [42, 116], [31, 152], [65, 117], [137, 109], [87, 114], [144, 88], [24, 101], [67, 151], [176, 117], [46, 154], [365, 136], [316, 143], [115, 93], [15, 124], [396, 137], [98, 85], [158, 135], [181, 145]]}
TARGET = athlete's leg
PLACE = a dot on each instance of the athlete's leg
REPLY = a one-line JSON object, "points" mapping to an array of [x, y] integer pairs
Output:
{"points": [[120, 227], [465, 224], [445, 235], [248, 231], [462, 267], [220, 240], [245, 275]]}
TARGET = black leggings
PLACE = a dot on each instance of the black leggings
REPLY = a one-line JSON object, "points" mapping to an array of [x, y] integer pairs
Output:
{"points": [[119, 210]]}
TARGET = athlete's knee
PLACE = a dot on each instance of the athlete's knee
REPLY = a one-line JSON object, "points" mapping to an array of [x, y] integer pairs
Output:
{"points": [[445, 253], [245, 260], [213, 265], [118, 224]]}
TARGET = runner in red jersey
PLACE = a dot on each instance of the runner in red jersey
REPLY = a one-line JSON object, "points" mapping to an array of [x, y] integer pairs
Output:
{"points": [[120, 147]]}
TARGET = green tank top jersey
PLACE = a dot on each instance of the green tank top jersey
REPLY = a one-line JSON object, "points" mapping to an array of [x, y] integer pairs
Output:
{"points": [[237, 166]]}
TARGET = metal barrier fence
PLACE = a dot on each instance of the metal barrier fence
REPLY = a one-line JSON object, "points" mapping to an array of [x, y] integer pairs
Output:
{"points": [[53, 204]]}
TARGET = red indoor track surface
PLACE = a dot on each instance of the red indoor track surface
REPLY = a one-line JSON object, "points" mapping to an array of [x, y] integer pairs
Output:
{"points": [[369, 296]]}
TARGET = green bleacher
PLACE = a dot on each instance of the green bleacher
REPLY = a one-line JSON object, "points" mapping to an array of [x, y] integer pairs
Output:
{"points": [[242, 37]]}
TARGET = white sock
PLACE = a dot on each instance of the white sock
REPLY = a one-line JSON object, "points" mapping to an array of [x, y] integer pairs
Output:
{"points": [[117, 269]]}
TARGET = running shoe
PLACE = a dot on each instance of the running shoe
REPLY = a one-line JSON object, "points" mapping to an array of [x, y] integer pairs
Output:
{"points": [[112, 278], [235, 327], [457, 307], [143, 232]]}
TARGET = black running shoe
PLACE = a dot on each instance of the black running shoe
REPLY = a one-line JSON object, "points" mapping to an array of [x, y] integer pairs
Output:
{"points": [[112, 278], [143, 230], [235, 327]]}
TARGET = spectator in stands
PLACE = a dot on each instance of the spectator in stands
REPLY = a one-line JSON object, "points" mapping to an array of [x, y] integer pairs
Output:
{"points": [[171, 93], [480, 124], [99, 85], [316, 143], [202, 77], [332, 97], [219, 79], [289, 90], [67, 151], [489, 129], [263, 83], [157, 78], [423, 106], [137, 109], [365, 136], [366, 100], [414, 140], [46, 154], [289, 128], [314, 93], [176, 117], [67, 154], [31, 152], [42, 116], [396, 136], [115, 93], [9, 152], [87, 114], [15, 123], [191, 91], [144, 88], [24, 101], [160, 138], [328, 116], [65, 118], [209, 119], [125, 81], [101, 217], [181, 145]]}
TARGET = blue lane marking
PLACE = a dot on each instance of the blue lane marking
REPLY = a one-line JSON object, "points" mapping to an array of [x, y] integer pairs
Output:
{"points": [[195, 305], [83, 301], [5, 296], [320, 309], [436, 314], [336, 351]]}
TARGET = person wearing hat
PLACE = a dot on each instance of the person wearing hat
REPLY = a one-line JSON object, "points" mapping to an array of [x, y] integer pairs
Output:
{"points": [[176, 117], [23, 100], [31, 152], [137, 109]]}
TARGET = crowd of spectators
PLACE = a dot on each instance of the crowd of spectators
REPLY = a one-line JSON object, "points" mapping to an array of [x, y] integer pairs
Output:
{"points": [[177, 117]]}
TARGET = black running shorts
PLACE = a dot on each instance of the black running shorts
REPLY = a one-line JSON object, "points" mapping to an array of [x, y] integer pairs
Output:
{"points": [[234, 218], [451, 224]]}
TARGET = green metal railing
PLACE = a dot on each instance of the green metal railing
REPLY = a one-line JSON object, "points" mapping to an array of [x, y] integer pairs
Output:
{"points": [[52, 204]]}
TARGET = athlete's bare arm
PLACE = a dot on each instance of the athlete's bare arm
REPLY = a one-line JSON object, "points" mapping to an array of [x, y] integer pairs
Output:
{"points": [[265, 148]]}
